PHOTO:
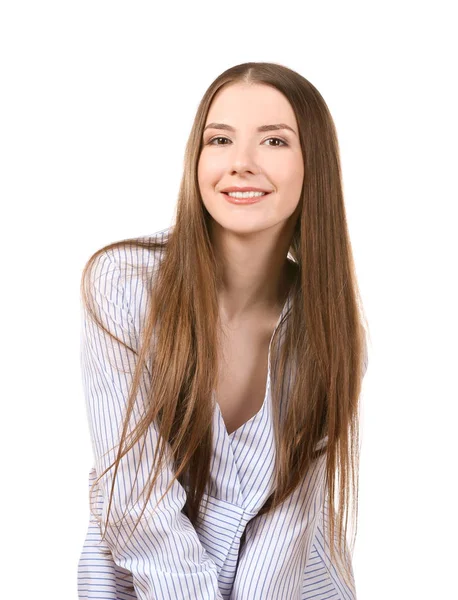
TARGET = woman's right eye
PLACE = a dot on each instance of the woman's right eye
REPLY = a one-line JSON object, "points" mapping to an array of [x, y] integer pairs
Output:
{"points": [[219, 137]]}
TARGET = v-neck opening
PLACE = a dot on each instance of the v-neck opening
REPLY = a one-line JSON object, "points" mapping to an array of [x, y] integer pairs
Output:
{"points": [[260, 412]]}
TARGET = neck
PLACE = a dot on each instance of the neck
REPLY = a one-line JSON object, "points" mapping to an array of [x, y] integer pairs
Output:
{"points": [[256, 273]]}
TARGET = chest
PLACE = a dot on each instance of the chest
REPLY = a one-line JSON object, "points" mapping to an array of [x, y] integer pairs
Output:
{"points": [[242, 378]]}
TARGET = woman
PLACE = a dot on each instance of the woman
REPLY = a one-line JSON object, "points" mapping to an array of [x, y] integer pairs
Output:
{"points": [[222, 362]]}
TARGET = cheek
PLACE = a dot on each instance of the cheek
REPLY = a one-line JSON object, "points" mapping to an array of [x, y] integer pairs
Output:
{"points": [[284, 167], [290, 187], [296, 175], [208, 172], [290, 179]]}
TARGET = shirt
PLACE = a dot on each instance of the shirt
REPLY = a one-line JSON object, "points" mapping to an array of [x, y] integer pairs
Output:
{"points": [[285, 555]]}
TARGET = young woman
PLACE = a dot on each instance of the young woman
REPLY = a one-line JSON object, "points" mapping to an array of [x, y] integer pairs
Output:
{"points": [[222, 362]]}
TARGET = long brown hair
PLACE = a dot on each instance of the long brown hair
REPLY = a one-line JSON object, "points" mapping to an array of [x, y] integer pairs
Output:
{"points": [[324, 332]]}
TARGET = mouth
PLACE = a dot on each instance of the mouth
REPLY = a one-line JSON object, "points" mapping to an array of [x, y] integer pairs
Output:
{"points": [[244, 200]]}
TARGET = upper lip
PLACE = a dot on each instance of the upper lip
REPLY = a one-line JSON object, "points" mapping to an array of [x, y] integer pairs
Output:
{"points": [[234, 188]]}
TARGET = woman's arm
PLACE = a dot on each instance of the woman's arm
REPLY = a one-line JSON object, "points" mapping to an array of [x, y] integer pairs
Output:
{"points": [[164, 555], [286, 554], [322, 579], [98, 574], [274, 557]]}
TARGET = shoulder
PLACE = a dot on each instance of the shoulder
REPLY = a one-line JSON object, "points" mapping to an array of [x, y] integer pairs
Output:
{"points": [[123, 272], [137, 256]]}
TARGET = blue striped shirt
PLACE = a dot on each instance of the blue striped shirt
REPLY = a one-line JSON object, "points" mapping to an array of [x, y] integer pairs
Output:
{"points": [[285, 555]]}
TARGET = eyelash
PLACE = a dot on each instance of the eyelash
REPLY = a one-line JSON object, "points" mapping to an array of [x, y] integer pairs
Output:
{"points": [[221, 137]]}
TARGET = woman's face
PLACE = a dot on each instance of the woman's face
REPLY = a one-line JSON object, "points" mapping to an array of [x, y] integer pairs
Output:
{"points": [[243, 156]]}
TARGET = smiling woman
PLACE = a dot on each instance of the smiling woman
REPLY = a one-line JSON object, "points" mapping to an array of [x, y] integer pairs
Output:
{"points": [[248, 156], [222, 363]]}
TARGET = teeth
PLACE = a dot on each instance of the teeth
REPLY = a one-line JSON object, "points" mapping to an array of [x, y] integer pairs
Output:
{"points": [[245, 194]]}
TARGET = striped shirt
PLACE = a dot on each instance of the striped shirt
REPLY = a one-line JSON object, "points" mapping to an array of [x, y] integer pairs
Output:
{"points": [[285, 554]]}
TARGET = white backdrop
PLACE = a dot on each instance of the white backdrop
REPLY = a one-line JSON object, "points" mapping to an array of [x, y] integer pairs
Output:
{"points": [[96, 104]]}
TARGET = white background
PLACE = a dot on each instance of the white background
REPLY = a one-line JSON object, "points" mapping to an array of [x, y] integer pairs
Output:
{"points": [[97, 101]]}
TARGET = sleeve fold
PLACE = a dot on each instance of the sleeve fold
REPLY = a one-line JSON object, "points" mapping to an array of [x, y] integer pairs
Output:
{"points": [[164, 556]]}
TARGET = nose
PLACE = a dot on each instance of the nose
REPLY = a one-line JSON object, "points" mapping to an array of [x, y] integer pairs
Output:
{"points": [[243, 159]]}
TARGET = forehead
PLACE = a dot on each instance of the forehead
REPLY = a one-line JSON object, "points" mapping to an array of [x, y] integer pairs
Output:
{"points": [[243, 104]]}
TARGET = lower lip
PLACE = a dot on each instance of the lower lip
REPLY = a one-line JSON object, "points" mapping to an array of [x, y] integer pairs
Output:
{"points": [[253, 200]]}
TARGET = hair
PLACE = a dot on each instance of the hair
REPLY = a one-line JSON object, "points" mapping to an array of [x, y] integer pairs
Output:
{"points": [[324, 330]]}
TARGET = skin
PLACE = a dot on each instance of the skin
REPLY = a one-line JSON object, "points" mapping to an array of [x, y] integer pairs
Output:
{"points": [[252, 241]]}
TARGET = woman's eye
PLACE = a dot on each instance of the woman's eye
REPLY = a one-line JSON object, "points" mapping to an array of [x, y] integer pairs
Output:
{"points": [[217, 138], [225, 138], [278, 140]]}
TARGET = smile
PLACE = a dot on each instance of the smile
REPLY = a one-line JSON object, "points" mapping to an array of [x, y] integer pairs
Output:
{"points": [[244, 197]]}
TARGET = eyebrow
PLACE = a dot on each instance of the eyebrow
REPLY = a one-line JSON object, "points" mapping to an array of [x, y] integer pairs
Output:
{"points": [[274, 127]]}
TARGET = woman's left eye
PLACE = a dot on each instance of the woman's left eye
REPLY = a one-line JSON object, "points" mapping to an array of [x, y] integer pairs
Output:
{"points": [[225, 138], [278, 140]]}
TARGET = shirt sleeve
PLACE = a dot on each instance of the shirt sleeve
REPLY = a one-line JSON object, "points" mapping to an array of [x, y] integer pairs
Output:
{"points": [[164, 554], [98, 575], [273, 560], [285, 554], [322, 579]]}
